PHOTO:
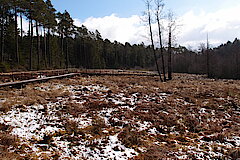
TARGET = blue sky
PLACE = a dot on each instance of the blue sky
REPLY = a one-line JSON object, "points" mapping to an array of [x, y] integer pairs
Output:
{"points": [[119, 19], [83, 9]]}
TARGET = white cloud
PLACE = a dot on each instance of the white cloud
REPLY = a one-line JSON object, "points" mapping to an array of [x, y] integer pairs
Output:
{"points": [[115, 28], [221, 25]]}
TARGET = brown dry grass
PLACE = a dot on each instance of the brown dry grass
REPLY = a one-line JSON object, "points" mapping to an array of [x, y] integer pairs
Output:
{"points": [[130, 138], [156, 153], [180, 111], [30, 95], [7, 140]]}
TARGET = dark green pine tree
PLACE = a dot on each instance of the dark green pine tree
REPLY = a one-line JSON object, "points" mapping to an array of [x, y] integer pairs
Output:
{"points": [[29, 14], [3, 20], [49, 23], [15, 6], [39, 8], [66, 29]]}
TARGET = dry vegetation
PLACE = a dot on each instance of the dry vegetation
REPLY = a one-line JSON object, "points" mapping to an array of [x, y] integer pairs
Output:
{"points": [[189, 117]]}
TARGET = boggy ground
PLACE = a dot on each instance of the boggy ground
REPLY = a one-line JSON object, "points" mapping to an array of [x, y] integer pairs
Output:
{"points": [[107, 117]]}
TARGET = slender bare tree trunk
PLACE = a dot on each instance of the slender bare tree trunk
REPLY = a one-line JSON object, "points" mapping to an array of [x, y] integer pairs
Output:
{"points": [[171, 27], [31, 43], [45, 48], [2, 43], [21, 21], [151, 34], [67, 58], [161, 45], [38, 46], [62, 49], [170, 54], [208, 69], [2, 35], [48, 49], [16, 36], [61, 54]]}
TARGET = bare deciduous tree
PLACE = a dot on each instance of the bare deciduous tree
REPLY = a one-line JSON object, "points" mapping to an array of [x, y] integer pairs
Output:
{"points": [[207, 54], [16, 35], [171, 28], [159, 9], [148, 4]]}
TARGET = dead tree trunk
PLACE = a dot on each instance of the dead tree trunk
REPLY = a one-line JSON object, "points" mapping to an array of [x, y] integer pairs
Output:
{"points": [[62, 47], [2, 35], [38, 46], [159, 7], [16, 37], [171, 27], [31, 43], [2, 42], [151, 34], [45, 48], [21, 21], [207, 52], [48, 49], [170, 54], [67, 56]]}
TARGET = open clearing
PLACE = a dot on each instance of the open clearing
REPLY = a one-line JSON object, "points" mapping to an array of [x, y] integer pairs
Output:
{"points": [[123, 117]]}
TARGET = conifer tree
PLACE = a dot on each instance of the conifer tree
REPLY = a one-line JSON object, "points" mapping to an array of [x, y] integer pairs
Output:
{"points": [[66, 29], [50, 23]]}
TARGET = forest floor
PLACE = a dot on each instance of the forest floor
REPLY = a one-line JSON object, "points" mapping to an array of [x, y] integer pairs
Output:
{"points": [[103, 117]]}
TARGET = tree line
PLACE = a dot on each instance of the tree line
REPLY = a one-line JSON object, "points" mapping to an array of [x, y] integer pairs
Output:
{"points": [[52, 41], [220, 62]]}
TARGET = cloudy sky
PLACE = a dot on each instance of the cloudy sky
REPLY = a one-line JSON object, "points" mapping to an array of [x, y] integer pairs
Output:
{"points": [[121, 19]]}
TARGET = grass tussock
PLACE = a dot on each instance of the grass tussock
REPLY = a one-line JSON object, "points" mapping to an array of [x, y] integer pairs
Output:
{"points": [[156, 153], [130, 138], [7, 140], [98, 125], [74, 109]]}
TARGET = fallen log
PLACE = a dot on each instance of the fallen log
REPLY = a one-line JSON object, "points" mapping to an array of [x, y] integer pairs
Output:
{"points": [[19, 84]]}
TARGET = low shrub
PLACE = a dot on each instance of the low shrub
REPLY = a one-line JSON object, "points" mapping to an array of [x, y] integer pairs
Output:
{"points": [[235, 154], [7, 140], [155, 153], [4, 67], [192, 123], [98, 124], [71, 126], [4, 107], [130, 138]]}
